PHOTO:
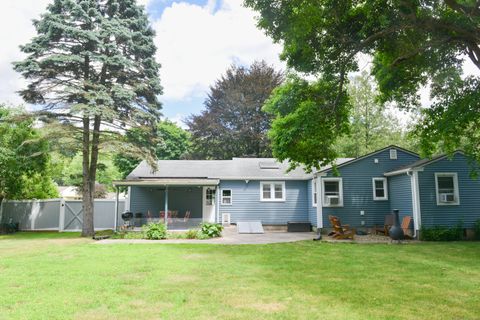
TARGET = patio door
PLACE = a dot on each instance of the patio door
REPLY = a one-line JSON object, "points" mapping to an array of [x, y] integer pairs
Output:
{"points": [[208, 204]]}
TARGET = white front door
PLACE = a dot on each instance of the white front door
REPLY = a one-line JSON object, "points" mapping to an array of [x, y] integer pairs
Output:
{"points": [[208, 204]]}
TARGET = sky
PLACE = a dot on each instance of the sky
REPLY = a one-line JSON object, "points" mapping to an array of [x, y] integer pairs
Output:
{"points": [[197, 41]]}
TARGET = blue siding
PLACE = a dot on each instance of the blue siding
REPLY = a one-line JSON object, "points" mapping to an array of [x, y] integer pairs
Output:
{"points": [[358, 190], [400, 191], [144, 199], [467, 211], [312, 211], [246, 204]]}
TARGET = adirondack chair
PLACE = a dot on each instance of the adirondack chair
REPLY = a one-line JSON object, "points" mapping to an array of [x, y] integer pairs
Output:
{"points": [[341, 231], [406, 226], [386, 225]]}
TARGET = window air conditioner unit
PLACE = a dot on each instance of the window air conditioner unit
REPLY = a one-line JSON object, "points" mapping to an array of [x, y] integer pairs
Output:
{"points": [[447, 197], [333, 200], [226, 219]]}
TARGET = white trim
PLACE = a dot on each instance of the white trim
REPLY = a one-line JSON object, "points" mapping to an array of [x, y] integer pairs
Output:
{"points": [[128, 199], [417, 215], [314, 185], [320, 203], [456, 193], [402, 171], [223, 197], [385, 189], [340, 191], [272, 191]]}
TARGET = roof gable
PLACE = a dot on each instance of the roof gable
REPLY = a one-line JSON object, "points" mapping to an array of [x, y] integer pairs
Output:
{"points": [[369, 155]]}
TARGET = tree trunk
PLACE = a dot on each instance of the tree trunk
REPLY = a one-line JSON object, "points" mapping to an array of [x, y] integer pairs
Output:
{"points": [[91, 173], [87, 201]]}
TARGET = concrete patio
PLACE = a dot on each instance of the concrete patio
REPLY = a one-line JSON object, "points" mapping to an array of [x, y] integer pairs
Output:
{"points": [[229, 236]]}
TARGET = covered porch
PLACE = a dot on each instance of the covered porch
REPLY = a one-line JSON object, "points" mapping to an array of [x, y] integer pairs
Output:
{"points": [[181, 204]]}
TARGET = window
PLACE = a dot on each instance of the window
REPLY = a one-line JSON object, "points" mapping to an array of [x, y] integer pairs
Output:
{"points": [[226, 197], [380, 191], [332, 192], [447, 189], [393, 154], [272, 191], [314, 192], [209, 196]]}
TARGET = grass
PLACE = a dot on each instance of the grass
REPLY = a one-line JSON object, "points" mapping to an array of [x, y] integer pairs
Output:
{"points": [[60, 276]]}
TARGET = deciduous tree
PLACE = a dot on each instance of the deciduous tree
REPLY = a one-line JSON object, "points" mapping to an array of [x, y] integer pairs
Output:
{"points": [[413, 43], [233, 123]]}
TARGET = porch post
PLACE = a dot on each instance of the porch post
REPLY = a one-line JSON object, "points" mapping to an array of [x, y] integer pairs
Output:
{"points": [[115, 223], [166, 205]]}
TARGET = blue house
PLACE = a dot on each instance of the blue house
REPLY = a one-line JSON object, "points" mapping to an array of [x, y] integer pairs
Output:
{"points": [[359, 191]]}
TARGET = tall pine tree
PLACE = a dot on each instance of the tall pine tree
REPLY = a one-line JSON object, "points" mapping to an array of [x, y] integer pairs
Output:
{"points": [[91, 67]]}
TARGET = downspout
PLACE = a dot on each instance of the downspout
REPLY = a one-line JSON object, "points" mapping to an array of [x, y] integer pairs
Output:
{"points": [[415, 201]]}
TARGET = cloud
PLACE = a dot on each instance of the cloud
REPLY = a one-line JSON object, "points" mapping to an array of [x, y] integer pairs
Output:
{"points": [[17, 29], [196, 44]]}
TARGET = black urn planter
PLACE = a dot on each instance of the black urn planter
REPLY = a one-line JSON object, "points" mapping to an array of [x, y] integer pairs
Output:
{"points": [[396, 232]]}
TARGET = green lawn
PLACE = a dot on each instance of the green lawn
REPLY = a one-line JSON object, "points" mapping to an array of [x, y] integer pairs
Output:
{"points": [[59, 276]]}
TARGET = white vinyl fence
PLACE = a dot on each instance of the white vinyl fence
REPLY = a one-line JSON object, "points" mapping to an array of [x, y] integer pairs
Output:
{"points": [[58, 214]]}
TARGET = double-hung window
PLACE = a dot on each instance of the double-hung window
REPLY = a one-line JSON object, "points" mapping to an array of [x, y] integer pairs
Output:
{"points": [[332, 192], [272, 191], [447, 189], [314, 192], [226, 197], [380, 189]]}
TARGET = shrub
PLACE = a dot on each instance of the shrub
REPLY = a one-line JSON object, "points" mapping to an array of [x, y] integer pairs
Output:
{"points": [[476, 229], [211, 230], [155, 231], [438, 233], [192, 234]]}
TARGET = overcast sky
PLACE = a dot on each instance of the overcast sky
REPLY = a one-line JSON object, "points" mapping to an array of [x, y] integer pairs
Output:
{"points": [[197, 41]]}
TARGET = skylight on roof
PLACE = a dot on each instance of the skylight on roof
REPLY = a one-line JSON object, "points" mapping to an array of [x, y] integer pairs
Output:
{"points": [[269, 165]]}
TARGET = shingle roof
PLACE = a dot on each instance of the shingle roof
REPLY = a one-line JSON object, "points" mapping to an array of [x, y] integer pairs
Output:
{"points": [[418, 164], [237, 168]]}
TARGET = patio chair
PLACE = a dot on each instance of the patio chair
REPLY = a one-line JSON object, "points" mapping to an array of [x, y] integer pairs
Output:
{"points": [[406, 227], [341, 231], [388, 223], [187, 216]]}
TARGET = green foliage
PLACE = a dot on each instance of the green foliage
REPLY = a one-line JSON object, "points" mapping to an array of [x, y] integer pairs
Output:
{"points": [[24, 161], [69, 171], [172, 143], [413, 44], [439, 233], [308, 121], [372, 126], [476, 229], [192, 234], [210, 230], [233, 124], [155, 231], [91, 68]]}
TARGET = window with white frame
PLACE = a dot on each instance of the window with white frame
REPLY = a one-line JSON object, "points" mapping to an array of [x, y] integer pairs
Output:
{"points": [[447, 188], [226, 197], [332, 192], [272, 191], [380, 191], [314, 192], [393, 154]]}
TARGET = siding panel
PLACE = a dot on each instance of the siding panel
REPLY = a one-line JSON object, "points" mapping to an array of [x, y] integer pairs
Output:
{"points": [[358, 190], [400, 190], [469, 190], [246, 204]]}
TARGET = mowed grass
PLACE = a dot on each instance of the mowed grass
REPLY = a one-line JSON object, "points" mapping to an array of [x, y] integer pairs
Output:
{"points": [[60, 276]]}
